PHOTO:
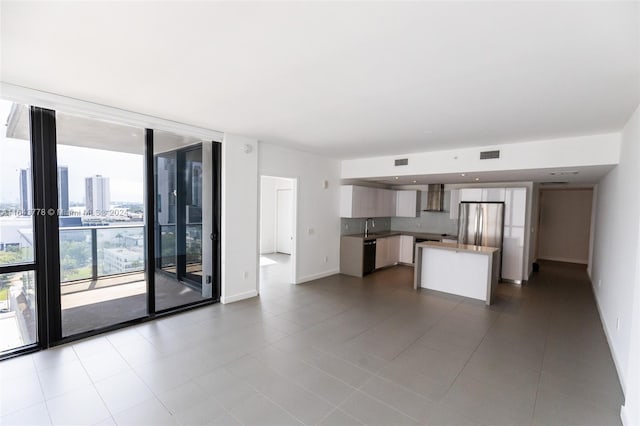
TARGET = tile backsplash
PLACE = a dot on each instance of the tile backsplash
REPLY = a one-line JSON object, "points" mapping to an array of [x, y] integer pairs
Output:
{"points": [[437, 223], [356, 225], [434, 222]]}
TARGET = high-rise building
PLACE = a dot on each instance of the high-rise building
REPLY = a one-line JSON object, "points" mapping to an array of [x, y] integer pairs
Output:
{"points": [[26, 197], [97, 194], [63, 190]]}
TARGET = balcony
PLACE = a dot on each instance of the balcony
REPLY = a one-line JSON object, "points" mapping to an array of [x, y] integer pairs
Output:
{"points": [[103, 279]]}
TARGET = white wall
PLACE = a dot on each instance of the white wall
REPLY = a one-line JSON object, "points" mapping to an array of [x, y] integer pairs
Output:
{"points": [[631, 409], [318, 225], [565, 152], [269, 187], [565, 225], [615, 248], [239, 218]]}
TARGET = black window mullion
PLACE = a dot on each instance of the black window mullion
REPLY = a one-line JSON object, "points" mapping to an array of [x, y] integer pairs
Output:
{"points": [[181, 223], [216, 208], [46, 238], [150, 221]]}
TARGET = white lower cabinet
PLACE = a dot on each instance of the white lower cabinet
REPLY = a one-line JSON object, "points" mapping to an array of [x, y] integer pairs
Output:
{"points": [[406, 249], [387, 251]]}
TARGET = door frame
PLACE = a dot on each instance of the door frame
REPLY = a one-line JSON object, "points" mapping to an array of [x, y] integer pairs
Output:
{"points": [[278, 193], [294, 225]]}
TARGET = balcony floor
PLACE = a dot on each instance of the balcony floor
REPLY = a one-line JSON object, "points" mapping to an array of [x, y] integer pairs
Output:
{"points": [[93, 304]]}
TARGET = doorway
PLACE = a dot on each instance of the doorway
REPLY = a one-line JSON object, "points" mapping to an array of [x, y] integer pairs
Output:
{"points": [[564, 225], [277, 231]]}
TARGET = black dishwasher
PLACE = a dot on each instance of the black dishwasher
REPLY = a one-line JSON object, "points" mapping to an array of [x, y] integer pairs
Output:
{"points": [[369, 257]]}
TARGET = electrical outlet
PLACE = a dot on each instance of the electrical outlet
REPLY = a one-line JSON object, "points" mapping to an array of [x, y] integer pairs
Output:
{"points": [[245, 275], [346, 227], [599, 283], [326, 259], [617, 323]]}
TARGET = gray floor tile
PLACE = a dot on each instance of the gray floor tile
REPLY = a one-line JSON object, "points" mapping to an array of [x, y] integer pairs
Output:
{"points": [[302, 404], [402, 399], [371, 412], [414, 380], [341, 369], [491, 404], [340, 418], [258, 410], [555, 408]]}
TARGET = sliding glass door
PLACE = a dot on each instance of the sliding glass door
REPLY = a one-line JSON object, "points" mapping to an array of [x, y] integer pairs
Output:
{"points": [[179, 186]]}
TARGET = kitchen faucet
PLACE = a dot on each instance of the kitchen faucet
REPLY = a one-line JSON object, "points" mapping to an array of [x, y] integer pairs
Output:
{"points": [[366, 225]]}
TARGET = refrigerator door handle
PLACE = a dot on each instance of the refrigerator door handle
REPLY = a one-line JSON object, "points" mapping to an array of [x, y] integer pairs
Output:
{"points": [[475, 226], [480, 226]]}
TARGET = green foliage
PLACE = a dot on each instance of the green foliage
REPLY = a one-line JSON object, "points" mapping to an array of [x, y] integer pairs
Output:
{"points": [[75, 260], [8, 257]]}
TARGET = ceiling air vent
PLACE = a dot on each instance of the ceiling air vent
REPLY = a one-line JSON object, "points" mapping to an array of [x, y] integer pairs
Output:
{"points": [[487, 155], [402, 162]]}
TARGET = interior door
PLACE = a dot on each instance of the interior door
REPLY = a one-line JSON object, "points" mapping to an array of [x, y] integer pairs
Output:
{"points": [[284, 221]]}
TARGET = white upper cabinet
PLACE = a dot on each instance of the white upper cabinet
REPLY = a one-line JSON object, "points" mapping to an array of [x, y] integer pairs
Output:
{"points": [[385, 203], [471, 194], [407, 203], [493, 194], [454, 203], [363, 201], [482, 194]]}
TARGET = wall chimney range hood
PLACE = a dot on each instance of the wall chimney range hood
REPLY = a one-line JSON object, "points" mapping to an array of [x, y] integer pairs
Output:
{"points": [[435, 198]]}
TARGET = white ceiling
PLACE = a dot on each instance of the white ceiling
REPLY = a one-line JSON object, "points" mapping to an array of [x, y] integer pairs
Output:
{"points": [[342, 79]]}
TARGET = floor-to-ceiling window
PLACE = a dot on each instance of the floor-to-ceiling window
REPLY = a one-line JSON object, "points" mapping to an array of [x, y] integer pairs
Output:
{"points": [[101, 223], [18, 303]]}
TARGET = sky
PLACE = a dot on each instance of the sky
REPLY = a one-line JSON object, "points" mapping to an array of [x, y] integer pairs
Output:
{"points": [[126, 171]]}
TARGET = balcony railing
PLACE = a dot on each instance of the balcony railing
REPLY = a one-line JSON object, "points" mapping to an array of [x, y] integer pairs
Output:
{"points": [[92, 252]]}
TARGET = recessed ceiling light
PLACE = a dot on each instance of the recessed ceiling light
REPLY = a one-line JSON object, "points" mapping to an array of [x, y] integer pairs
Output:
{"points": [[415, 181], [463, 174], [397, 178], [564, 173], [477, 178]]}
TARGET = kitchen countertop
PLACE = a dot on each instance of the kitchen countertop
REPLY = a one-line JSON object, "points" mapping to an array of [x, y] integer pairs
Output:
{"points": [[458, 247], [383, 234]]}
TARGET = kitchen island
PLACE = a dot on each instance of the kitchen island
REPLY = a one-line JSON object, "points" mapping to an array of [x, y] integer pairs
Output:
{"points": [[462, 269]]}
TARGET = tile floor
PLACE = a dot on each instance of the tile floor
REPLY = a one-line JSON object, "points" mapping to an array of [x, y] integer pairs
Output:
{"points": [[338, 351]]}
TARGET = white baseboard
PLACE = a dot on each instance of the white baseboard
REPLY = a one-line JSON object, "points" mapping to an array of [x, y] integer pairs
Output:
{"points": [[317, 276], [565, 259], [238, 297], [614, 355], [624, 416]]}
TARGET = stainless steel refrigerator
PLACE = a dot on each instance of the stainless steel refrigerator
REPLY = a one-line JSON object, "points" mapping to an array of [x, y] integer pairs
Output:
{"points": [[481, 224]]}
